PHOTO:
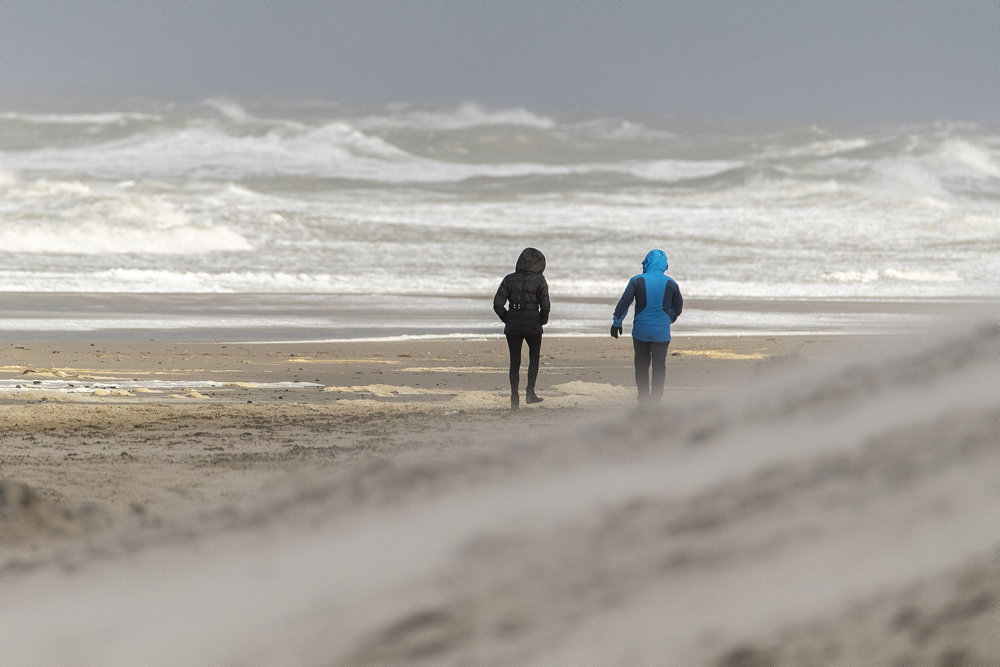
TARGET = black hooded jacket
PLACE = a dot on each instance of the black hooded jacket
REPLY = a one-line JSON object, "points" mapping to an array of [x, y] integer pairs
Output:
{"points": [[528, 295]]}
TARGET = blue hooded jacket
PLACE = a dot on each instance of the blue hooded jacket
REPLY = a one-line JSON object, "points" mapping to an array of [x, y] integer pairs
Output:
{"points": [[657, 298]]}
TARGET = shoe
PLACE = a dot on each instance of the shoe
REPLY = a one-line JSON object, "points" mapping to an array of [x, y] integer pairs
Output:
{"points": [[514, 402], [531, 397]]}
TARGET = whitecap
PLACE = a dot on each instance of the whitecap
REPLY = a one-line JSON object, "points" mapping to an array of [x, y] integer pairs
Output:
{"points": [[101, 118], [466, 116]]}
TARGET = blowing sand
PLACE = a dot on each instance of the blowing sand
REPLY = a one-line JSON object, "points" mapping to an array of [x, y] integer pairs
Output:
{"points": [[797, 500]]}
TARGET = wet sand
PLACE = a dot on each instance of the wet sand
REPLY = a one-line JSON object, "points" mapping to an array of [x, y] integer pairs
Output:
{"points": [[796, 500], [126, 427]]}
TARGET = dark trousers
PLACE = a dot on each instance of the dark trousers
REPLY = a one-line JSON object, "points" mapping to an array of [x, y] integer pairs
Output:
{"points": [[534, 349], [650, 354]]}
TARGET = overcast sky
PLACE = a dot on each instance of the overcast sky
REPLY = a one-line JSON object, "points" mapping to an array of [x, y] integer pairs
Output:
{"points": [[771, 60]]}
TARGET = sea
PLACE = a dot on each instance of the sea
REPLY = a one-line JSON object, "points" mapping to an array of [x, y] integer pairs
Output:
{"points": [[313, 220]]}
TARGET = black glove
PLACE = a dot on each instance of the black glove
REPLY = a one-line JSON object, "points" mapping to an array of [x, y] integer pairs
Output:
{"points": [[615, 331], [503, 316]]}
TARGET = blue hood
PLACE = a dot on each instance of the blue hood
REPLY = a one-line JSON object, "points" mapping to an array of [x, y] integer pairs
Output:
{"points": [[655, 262]]}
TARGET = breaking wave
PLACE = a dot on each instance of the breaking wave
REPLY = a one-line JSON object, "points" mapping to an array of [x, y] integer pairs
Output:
{"points": [[310, 196], [99, 238]]}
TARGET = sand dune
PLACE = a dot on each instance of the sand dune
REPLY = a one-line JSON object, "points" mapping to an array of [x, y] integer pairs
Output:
{"points": [[827, 513]]}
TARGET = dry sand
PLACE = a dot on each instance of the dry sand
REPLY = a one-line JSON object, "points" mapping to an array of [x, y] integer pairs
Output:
{"points": [[797, 500]]}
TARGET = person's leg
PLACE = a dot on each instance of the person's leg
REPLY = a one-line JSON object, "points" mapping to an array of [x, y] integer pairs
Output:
{"points": [[534, 354], [642, 358], [658, 354], [514, 347]]}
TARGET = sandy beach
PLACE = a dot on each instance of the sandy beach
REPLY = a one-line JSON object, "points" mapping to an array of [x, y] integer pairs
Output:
{"points": [[154, 426], [797, 500]]}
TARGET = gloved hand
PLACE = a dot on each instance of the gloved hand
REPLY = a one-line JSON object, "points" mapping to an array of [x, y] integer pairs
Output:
{"points": [[615, 331], [503, 317]]}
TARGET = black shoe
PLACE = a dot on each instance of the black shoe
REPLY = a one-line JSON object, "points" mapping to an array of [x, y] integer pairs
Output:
{"points": [[531, 397], [514, 402]]}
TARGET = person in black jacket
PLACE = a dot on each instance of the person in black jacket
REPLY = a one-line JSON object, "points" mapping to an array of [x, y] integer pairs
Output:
{"points": [[528, 295]]}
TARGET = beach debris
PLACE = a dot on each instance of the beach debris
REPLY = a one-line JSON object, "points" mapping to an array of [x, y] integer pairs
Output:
{"points": [[581, 388], [188, 393], [111, 392], [194, 393], [723, 354]]}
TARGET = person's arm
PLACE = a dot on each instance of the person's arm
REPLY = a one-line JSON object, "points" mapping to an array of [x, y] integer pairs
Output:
{"points": [[543, 301], [499, 300], [676, 302], [621, 310]]}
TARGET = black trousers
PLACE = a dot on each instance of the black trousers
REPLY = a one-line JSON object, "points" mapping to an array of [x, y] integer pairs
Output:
{"points": [[514, 342], [646, 355]]}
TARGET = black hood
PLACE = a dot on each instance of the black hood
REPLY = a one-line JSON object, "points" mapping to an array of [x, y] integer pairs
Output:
{"points": [[531, 260]]}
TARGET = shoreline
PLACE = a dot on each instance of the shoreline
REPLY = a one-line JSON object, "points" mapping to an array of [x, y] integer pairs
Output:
{"points": [[310, 318]]}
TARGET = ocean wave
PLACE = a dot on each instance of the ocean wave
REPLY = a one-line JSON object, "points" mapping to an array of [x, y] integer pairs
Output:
{"points": [[334, 150], [100, 118], [821, 149], [8, 178], [887, 283], [962, 157], [935, 174], [102, 238], [241, 197], [901, 275], [617, 129], [131, 280], [229, 108], [466, 116], [223, 140]]}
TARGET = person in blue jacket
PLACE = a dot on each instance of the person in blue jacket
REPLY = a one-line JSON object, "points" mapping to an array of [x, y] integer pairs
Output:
{"points": [[658, 302]]}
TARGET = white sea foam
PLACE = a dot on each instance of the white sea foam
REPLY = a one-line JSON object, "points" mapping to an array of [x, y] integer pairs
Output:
{"points": [[131, 280], [84, 386], [969, 160], [468, 115], [922, 276], [617, 129], [119, 322], [910, 178], [870, 276], [824, 148], [98, 238], [44, 189], [8, 178], [677, 170], [229, 108], [101, 118], [227, 196]]}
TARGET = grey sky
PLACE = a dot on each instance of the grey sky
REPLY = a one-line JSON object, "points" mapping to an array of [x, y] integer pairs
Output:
{"points": [[768, 60]]}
